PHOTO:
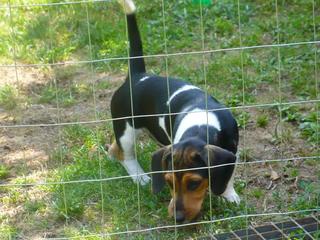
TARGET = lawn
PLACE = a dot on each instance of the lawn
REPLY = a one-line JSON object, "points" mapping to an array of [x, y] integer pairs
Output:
{"points": [[261, 59]]}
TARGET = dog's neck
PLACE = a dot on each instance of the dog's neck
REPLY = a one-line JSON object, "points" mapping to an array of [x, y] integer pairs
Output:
{"points": [[204, 133]]}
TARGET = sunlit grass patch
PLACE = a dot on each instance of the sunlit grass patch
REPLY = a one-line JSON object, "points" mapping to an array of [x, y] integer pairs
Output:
{"points": [[8, 97], [4, 171]]}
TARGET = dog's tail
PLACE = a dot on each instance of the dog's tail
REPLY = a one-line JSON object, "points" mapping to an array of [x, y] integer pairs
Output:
{"points": [[137, 64]]}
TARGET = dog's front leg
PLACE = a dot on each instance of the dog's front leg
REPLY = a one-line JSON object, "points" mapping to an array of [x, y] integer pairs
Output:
{"points": [[126, 155], [230, 194]]}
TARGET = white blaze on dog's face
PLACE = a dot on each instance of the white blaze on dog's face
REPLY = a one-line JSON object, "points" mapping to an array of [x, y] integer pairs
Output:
{"points": [[188, 192], [188, 188]]}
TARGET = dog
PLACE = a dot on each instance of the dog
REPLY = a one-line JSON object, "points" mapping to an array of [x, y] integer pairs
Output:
{"points": [[201, 139]]}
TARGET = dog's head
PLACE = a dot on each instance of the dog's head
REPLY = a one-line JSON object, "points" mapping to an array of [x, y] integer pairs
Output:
{"points": [[188, 187]]}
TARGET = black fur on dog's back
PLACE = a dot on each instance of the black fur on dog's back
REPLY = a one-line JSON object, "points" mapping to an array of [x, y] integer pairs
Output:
{"points": [[136, 98]]}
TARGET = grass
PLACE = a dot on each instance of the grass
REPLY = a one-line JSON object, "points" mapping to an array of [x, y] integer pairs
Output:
{"points": [[53, 34], [8, 97], [89, 202], [53, 95], [309, 126], [8, 232], [262, 120], [71, 201], [4, 172]]}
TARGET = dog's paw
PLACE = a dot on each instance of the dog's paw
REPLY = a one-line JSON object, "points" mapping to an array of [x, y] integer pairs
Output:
{"points": [[142, 179], [232, 197]]}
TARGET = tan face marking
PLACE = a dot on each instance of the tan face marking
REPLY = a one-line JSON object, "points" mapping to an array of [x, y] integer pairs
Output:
{"points": [[190, 189]]}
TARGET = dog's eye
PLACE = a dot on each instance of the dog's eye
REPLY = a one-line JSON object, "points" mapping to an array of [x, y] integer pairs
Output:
{"points": [[193, 185]]}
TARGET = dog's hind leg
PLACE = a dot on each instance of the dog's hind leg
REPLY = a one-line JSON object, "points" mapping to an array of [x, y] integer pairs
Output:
{"points": [[123, 150]]}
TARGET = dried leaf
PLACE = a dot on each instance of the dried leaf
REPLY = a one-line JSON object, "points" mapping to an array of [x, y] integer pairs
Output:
{"points": [[274, 175]]}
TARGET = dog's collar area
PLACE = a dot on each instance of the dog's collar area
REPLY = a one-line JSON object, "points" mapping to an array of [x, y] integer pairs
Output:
{"points": [[196, 118]]}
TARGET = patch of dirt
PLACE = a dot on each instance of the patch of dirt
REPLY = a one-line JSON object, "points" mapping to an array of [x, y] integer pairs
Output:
{"points": [[280, 141], [30, 145], [277, 140], [22, 77]]}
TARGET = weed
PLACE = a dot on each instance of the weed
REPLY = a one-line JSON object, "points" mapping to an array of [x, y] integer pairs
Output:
{"points": [[246, 154], [52, 95], [257, 193], [289, 113], [262, 120], [277, 197], [64, 96], [316, 234], [13, 196], [8, 97], [34, 206], [102, 85], [243, 119], [294, 172], [8, 232], [310, 127], [282, 134], [4, 171], [308, 199], [296, 234]]}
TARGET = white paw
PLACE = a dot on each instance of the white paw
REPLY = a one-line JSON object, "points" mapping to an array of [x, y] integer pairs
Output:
{"points": [[232, 197], [136, 172], [142, 179]]}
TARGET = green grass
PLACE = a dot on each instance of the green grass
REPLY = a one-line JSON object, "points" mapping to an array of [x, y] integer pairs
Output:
{"points": [[71, 200], [91, 163], [243, 119], [257, 193], [8, 97], [117, 201], [309, 198], [8, 232], [66, 96], [309, 126], [4, 171], [262, 120]]}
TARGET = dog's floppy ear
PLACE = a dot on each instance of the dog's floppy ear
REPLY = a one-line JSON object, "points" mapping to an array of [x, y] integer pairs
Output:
{"points": [[159, 164], [219, 176]]}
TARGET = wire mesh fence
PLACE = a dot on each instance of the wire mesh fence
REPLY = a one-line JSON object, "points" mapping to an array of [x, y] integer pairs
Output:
{"points": [[61, 62]]}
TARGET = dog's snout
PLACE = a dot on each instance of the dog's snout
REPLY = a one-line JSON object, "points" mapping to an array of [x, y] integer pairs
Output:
{"points": [[180, 217]]}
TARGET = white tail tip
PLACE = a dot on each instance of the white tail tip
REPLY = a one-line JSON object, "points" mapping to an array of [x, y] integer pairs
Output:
{"points": [[128, 6]]}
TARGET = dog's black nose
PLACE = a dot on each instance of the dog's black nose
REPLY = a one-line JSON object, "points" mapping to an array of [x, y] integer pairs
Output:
{"points": [[180, 216]]}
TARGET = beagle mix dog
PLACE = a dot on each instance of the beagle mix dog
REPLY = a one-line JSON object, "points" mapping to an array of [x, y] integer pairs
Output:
{"points": [[176, 114]]}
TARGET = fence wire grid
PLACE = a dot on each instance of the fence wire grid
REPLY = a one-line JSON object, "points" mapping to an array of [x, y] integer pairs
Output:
{"points": [[214, 221]]}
